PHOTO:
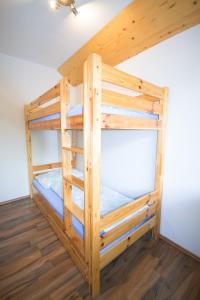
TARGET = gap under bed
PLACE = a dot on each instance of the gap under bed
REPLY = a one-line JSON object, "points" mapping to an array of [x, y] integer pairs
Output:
{"points": [[50, 186], [105, 109]]}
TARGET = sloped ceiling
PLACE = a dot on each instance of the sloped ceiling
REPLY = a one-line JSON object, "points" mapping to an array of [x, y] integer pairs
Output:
{"points": [[31, 31]]}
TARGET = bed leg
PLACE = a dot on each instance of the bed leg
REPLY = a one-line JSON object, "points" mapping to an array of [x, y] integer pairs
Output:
{"points": [[95, 285], [155, 233]]}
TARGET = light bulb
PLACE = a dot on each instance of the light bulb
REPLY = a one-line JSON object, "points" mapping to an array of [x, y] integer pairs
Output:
{"points": [[53, 4]]}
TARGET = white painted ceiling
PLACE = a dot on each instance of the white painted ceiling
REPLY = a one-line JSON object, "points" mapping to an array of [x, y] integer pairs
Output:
{"points": [[30, 30]]}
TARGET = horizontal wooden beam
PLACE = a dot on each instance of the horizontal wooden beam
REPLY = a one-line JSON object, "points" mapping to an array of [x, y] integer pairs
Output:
{"points": [[75, 210], [75, 181], [127, 209], [117, 249], [123, 79], [44, 111], [139, 26], [49, 95], [119, 230], [74, 149], [45, 125], [139, 103], [47, 166], [125, 122], [108, 121]]}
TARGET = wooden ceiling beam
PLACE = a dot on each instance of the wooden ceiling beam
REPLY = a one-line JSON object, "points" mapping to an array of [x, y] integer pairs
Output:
{"points": [[141, 25]]}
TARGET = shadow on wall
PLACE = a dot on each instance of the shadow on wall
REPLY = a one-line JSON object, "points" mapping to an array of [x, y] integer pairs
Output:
{"points": [[128, 160]]}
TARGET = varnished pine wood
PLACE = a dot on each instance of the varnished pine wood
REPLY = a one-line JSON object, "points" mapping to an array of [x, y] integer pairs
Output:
{"points": [[47, 166], [108, 121], [140, 25], [35, 265], [44, 111], [47, 96]]}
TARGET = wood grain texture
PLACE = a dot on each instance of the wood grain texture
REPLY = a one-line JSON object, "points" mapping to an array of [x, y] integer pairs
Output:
{"points": [[34, 265], [108, 121], [139, 26]]}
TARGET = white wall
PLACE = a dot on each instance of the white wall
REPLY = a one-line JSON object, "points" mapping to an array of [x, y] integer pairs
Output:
{"points": [[21, 82], [175, 63], [128, 156]]}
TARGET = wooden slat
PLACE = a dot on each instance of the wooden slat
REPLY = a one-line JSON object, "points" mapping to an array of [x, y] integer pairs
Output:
{"points": [[44, 111], [107, 122], [75, 181], [77, 241], [49, 95], [45, 125], [74, 156], [118, 231], [139, 26], [160, 162], [140, 103], [47, 166], [128, 81], [125, 122], [75, 210], [116, 250], [74, 149], [127, 209], [75, 122]]}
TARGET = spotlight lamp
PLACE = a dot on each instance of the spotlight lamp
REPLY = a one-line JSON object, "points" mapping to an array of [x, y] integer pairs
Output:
{"points": [[56, 4]]}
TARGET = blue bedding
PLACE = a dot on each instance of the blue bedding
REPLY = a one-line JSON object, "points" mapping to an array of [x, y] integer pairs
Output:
{"points": [[56, 202], [106, 109]]}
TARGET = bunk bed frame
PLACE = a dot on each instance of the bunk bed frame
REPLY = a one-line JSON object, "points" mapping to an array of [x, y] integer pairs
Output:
{"points": [[86, 252]]}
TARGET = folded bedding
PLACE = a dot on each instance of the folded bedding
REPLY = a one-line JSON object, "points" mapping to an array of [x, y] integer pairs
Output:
{"points": [[105, 109]]}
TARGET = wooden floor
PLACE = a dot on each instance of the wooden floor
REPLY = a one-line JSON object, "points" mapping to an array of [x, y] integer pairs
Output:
{"points": [[34, 265]]}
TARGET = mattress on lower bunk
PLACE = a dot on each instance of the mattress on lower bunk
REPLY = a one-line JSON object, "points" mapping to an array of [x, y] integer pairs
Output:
{"points": [[50, 186], [105, 109]]}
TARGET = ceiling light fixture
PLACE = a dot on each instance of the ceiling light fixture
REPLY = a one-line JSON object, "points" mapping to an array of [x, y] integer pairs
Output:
{"points": [[56, 4]]}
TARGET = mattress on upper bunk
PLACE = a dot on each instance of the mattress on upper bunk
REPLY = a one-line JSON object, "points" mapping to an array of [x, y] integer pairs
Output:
{"points": [[50, 186], [105, 109]]}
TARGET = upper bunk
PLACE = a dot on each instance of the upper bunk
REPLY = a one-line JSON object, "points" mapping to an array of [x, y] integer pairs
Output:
{"points": [[119, 110]]}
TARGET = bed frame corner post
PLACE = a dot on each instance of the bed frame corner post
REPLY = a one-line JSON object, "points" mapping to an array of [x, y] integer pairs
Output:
{"points": [[29, 150], [160, 161], [92, 156]]}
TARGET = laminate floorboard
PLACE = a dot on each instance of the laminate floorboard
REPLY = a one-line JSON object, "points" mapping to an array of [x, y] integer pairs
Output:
{"points": [[34, 265]]}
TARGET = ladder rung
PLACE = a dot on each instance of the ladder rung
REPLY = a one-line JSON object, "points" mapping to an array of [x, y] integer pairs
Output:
{"points": [[75, 181], [74, 149]]}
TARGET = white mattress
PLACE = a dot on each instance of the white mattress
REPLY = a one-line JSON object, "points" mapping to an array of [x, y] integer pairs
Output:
{"points": [[106, 109], [50, 186], [109, 198]]}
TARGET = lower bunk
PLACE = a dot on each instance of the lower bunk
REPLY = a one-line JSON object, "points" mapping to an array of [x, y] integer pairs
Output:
{"points": [[114, 239]]}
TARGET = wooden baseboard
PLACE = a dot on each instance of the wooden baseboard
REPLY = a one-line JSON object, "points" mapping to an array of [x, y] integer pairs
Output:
{"points": [[14, 200], [180, 248]]}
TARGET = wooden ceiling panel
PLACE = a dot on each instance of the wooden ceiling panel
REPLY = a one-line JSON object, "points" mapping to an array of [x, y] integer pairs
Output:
{"points": [[139, 26]]}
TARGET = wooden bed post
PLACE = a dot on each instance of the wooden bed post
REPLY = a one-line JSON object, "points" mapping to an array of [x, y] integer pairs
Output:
{"points": [[73, 146], [160, 162], [29, 150], [66, 155], [92, 154]]}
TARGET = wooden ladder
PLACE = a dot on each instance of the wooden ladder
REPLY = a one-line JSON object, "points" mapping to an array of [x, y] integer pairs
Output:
{"points": [[90, 216]]}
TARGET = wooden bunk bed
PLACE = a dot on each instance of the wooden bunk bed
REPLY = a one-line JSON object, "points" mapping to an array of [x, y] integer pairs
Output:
{"points": [[87, 251]]}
